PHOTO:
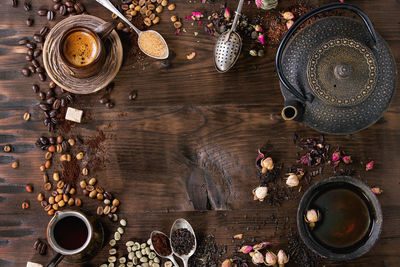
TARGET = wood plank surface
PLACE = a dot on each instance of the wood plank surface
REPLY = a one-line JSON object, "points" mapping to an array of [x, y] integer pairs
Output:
{"points": [[186, 147]]}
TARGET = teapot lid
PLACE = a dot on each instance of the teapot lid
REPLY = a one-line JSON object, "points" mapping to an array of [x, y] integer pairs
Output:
{"points": [[352, 83]]}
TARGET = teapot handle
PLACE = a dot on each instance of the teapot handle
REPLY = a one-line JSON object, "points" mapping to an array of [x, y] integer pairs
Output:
{"points": [[309, 97]]}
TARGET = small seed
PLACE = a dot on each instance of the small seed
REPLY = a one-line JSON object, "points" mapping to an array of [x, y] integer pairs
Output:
{"points": [[7, 148], [122, 260], [112, 259], [159, 9], [47, 186], [85, 171], [92, 181], [147, 22], [117, 236], [25, 205], [58, 198], [115, 217], [78, 202], [65, 198], [123, 223], [156, 20], [112, 242], [107, 210], [89, 188], [56, 176], [107, 201], [51, 200], [59, 148], [120, 230], [27, 116], [100, 196], [40, 197], [79, 156], [112, 251], [29, 188]]}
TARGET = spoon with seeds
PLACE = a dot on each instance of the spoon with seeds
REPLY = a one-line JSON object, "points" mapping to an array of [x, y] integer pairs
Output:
{"points": [[170, 256], [150, 42], [183, 224]]}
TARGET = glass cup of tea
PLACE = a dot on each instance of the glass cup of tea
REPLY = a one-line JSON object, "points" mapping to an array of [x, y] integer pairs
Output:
{"points": [[75, 236], [82, 50]]}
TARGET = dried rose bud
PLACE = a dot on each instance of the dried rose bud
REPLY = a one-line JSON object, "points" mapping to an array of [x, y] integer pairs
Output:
{"points": [[227, 14], [257, 257], [287, 15], [282, 258], [258, 28], [312, 217], [369, 166], [267, 164], [227, 263], [347, 159], [292, 180], [270, 258], [261, 39], [289, 24], [261, 245], [246, 249], [335, 156], [260, 193], [377, 190]]}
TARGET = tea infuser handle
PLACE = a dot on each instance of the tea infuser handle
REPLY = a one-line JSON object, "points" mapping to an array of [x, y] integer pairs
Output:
{"points": [[56, 260], [297, 24]]}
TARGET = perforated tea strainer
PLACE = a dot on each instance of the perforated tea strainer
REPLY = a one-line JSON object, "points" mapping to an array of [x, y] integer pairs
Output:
{"points": [[229, 44]]}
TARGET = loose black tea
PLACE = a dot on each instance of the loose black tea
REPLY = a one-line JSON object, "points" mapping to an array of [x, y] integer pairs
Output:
{"points": [[182, 241], [345, 218], [70, 233]]}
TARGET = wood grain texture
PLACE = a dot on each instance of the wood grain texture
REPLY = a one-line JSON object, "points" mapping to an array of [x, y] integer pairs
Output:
{"points": [[186, 147]]}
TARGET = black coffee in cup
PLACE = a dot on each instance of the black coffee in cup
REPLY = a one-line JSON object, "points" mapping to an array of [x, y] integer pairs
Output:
{"points": [[70, 233]]}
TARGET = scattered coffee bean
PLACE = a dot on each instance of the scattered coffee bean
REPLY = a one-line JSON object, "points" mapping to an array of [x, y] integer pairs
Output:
{"points": [[23, 42], [32, 69], [29, 52], [29, 188], [14, 3], [100, 210], [42, 168], [40, 197], [15, 164], [72, 191], [133, 95], [37, 38], [27, 6], [57, 104], [110, 105], [40, 247], [99, 196], [92, 181], [48, 155], [47, 164], [50, 15], [32, 46], [25, 205], [29, 22], [28, 58], [39, 70], [71, 141], [26, 72], [42, 77], [63, 10], [51, 212], [35, 88], [107, 210], [42, 96], [27, 116], [47, 186], [71, 202], [7, 148], [79, 8], [79, 156], [44, 30], [42, 12], [92, 194], [103, 100], [85, 171]]}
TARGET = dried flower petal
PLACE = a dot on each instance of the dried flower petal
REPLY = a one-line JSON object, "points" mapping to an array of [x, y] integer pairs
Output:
{"points": [[261, 245], [336, 156], [258, 28], [246, 249], [369, 166], [258, 3], [267, 164], [347, 159], [287, 15], [227, 263], [289, 24], [292, 180], [260, 193], [227, 14], [377, 190], [261, 38], [197, 14], [282, 258]]}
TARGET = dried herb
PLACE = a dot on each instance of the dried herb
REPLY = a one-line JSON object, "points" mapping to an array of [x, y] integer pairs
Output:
{"points": [[300, 254], [207, 254], [71, 171]]}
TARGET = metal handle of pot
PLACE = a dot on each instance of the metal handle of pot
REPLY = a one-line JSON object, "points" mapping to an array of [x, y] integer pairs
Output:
{"points": [[297, 24]]}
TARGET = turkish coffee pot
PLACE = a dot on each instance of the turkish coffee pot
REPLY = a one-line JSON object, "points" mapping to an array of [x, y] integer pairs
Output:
{"points": [[337, 75]]}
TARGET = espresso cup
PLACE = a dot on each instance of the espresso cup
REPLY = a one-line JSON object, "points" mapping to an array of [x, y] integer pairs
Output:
{"points": [[82, 50], [73, 235]]}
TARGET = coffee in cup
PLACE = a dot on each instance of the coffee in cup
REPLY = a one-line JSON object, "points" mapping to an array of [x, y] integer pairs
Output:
{"points": [[80, 48]]}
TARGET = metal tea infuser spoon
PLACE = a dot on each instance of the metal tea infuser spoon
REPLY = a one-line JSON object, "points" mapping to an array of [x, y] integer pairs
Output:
{"points": [[178, 224], [107, 4], [228, 46], [170, 256]]}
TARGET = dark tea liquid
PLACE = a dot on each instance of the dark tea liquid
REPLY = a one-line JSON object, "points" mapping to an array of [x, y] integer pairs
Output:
{"points": [[345, 218], [70, 233]]}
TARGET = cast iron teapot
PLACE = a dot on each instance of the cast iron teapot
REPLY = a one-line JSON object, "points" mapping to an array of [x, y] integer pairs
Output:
{"points": [[337, 74]]}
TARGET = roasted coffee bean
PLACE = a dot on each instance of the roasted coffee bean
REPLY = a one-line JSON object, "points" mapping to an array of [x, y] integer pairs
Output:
{"points": [[103, 100], [29, 52], [54, 120], [50, 15], [67, 189], [44, 140], [37, 53], [70, 98], [31, 45], [50, 100], [90, 188], [42, 95], [69, 4], [42, 249], [35, 63], [78, 202], [53, 113], [63, 102], [44, 30], [14, 3], [32, 69], [44, 107], [28, 58], [79, 8], [46, 121], [133, 95], [29, 22], [71, 10], [63, 10], [110, 105], [57, 104], [107, 195], [23, 42], [43, 203], [65, 145], [38, 38], [110, 87], [50, 93], [27, 6], [39, 70], [57, 6], [52, 85], [42, 12], [26, 72], [42, 77], [52, 140], [53, 194], [56, 1], [100, 210]]}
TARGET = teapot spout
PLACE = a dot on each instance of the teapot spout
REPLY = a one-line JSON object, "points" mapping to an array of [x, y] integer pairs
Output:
{"points": [[293, 110]]}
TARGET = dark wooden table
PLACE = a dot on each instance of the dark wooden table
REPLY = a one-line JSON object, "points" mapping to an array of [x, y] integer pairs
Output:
{"points": [[186, 147]]}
